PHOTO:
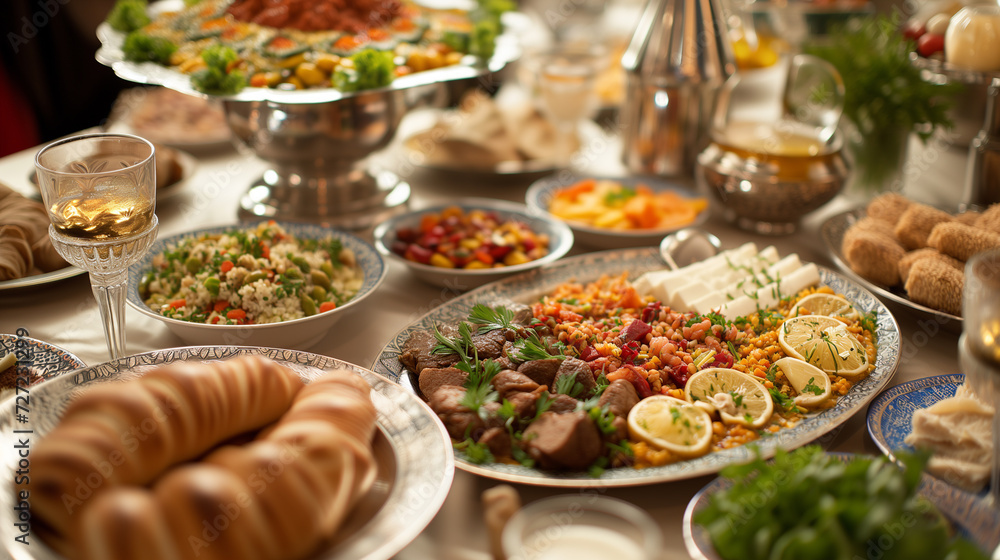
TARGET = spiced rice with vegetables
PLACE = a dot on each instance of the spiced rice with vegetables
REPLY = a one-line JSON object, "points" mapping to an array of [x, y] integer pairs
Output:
{"points": [[254, 276]]}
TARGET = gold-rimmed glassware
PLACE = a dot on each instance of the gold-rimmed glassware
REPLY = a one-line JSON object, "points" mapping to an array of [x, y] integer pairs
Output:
{"points": [[100, 194]]}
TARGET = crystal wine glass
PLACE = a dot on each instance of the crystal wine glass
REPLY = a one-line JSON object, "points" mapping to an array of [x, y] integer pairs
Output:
{"points": [[567, 90], [99, 191]]}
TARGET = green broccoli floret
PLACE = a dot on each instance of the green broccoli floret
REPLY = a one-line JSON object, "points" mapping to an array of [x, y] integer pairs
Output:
{"points": [[140, 47], [372, 69], [496, 8], [456, 41], [128, 15], [484, 38], [217, 78], [189, 3]]}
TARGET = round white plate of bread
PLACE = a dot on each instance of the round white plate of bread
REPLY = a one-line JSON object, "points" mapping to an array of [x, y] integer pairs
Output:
{"points": [[414, 465]]}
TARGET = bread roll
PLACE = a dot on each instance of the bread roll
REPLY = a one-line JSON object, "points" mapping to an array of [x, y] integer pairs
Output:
{"points": [[278, 497], [128, 434]]}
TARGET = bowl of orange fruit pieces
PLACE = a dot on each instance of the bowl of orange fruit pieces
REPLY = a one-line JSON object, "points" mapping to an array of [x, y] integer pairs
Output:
{"points": [[617, 212]]}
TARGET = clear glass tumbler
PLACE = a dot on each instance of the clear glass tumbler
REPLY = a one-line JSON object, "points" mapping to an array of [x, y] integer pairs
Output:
{"points": [[100, 194], [979, 346]]}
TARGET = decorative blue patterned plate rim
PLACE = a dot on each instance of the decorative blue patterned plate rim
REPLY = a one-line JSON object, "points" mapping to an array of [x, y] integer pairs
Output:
{"points": [[38, 357], [367, 258], [591, 266], [973, 517], [890, 415], [421, 473]]}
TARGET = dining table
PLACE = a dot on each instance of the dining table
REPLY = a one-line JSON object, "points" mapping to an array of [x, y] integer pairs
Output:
{"points": [[65, 314]]}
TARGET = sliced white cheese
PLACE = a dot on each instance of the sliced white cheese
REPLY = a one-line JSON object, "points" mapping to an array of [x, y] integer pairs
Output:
{"points": [[659, 276], [736, 265], [769, 295]]}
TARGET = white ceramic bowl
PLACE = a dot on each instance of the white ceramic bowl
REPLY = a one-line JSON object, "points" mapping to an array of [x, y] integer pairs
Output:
{"points": [[541, 192], [297, 334], [560, 242]]}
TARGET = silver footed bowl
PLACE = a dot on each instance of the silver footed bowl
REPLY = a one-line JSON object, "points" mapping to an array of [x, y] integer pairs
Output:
{"points": [[753, 194], [315, 141], [317, 155]]}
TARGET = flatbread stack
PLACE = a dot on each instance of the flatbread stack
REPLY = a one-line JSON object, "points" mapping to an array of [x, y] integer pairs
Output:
{"points": [[25, 247], [481, 135]]}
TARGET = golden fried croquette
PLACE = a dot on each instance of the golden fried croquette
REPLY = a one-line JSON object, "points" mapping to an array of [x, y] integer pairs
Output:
{"points": [[936, 285], [962, 241], [926, 253], [871, 224], [888, 207], [968, 218], [916, 224], [990, 219], [873, 255]]}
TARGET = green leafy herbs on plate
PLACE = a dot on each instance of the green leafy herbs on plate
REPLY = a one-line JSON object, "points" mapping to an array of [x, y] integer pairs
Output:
{"points": [[219, 77], [140, 47], [807, 504], [128, 15]]}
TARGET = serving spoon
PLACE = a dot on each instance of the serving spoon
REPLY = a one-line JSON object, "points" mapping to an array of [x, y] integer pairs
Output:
{"points": [[687, 246]]}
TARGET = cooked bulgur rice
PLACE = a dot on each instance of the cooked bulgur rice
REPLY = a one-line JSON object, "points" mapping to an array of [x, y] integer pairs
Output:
{"points": [[250, 276]]}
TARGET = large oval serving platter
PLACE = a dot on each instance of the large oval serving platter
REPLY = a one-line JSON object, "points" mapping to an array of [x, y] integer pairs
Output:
{"points": [[528, 287], [415, 466], [971, 516]]}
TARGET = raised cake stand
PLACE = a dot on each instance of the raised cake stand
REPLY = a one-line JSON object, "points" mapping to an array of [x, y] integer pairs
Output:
{"points": [[316, 141]]}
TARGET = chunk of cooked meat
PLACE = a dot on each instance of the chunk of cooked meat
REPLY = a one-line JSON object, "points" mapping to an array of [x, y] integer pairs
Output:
{"points": [[418, 351], [563, 441], [524, 402], [498, 440], [431, 379], [581, 371], [542, 372], [562, 404], [619, 397], [460, 421], [489, 345], [509, 381]]}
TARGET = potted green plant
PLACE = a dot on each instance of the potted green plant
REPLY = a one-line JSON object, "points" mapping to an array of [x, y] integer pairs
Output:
{"points": [[886, 99]]}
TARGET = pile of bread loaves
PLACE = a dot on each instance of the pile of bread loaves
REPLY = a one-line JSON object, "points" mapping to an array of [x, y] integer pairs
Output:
{"points": [[923, 249], [25, 247], [149, 468]]}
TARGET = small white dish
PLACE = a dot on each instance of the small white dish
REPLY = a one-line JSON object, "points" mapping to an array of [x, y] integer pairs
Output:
{"points": [[560, 242]]}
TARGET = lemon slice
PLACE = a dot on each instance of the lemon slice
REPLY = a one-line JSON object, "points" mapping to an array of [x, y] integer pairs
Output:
{"points": [[736, 396], [825, 343], [826, 304], [811, 384], [671, 424]]}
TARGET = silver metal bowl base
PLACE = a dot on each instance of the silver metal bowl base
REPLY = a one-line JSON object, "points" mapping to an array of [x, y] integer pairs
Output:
{"points": [[356, 200]]}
